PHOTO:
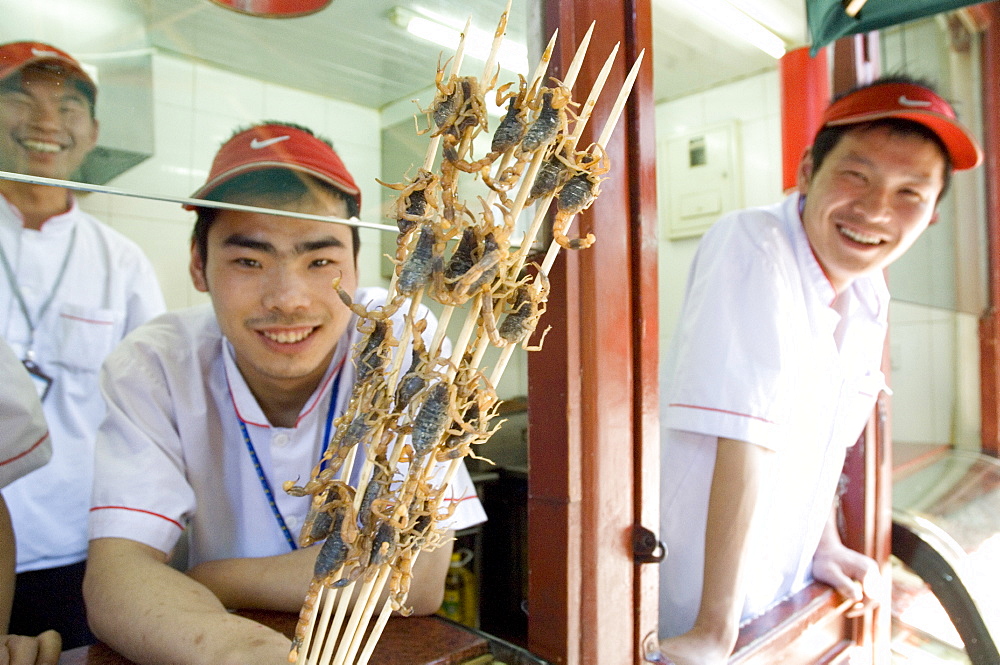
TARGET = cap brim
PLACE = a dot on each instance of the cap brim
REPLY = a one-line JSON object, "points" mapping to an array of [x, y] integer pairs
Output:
{"points": [[962, 147], [225, 177]]}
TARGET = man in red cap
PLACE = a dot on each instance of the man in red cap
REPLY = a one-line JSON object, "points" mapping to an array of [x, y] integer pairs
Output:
{"points": [[211, 409], [775, 368], [70, 289]]}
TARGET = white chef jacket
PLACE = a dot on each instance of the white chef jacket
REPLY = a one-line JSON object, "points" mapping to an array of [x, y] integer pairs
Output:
{"points": [[762, 355], [24, 437], [108, 289], [171, 455]]}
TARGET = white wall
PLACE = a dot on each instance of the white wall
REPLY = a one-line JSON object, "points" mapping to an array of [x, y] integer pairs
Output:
{"points": [[754, 104]]}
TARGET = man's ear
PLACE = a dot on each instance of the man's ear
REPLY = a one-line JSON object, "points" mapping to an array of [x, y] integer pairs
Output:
{"points": [[197, 269], [804, 173]]}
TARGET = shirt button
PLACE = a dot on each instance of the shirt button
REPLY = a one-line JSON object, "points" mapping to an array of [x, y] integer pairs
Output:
{"points": [[292, 522], [280, 440]]}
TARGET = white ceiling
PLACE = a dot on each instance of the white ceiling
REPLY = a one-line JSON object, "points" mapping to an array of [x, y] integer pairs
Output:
{"points": [[353, 51]]}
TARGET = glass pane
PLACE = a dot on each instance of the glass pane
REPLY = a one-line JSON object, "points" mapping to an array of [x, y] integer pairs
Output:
{"points": [[177, 77], [946, 267]]}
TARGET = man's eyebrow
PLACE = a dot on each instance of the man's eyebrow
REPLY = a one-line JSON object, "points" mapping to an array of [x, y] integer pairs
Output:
{"points": [[240, 240], [320, 243]]}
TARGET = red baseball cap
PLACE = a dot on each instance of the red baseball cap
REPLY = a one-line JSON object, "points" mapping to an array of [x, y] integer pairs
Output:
{"points": [[15, 56], [910, 102], [278, 146]]}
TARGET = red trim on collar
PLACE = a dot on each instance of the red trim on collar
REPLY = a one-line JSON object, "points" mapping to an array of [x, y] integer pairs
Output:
{"points": [[302, 415]]}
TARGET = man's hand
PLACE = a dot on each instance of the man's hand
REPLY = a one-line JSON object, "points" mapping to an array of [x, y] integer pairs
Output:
{"points": [[853, 575], [21, 650]]}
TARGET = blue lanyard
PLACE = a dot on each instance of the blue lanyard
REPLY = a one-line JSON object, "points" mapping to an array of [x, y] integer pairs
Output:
{"points": [[268, 492]]}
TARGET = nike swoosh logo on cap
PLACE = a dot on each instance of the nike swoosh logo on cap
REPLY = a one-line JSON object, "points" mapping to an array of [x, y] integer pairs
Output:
{"points": [[912, 102], [257, 144], [42, 53]]}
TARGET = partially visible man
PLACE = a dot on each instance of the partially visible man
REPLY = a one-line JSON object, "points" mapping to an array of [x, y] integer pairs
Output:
{"points": [[775, 368], [24, 447], [212, 408], [71, 289]]}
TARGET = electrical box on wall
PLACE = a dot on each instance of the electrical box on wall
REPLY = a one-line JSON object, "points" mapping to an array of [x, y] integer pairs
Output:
{"points": [[700, 178]]}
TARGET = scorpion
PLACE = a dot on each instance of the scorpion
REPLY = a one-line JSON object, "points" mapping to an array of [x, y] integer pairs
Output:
{"points": [[375, 352], [416, 200], [413, 381], [459, 113], [552, 106], [514, 124], [423, 261], [552, 175], [431, 420], [577, 195], [526, 308]]}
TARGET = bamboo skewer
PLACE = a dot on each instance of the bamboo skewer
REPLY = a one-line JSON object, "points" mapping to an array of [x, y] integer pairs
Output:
{"points": [[602, 141]]}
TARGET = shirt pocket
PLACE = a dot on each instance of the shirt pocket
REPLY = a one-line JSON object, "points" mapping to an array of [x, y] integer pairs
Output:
{"points": [[84, 336], [857, 401]]}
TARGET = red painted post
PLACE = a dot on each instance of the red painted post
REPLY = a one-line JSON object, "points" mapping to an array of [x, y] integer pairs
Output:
{"points": [[989, 324], [805, 93]]}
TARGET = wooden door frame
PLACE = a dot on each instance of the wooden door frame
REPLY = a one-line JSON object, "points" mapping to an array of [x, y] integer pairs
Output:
{"points": [[989, 323], [593, 390]]}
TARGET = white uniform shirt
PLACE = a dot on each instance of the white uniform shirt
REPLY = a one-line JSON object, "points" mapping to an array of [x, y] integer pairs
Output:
{"points": [[761, 355], [171, 455], [108, 289], [24, 438]]}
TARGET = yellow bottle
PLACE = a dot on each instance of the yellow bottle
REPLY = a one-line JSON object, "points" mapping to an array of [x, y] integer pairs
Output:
{"points": [[460, 602]]}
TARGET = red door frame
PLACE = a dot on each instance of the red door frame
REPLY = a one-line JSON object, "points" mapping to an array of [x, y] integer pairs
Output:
{"points": [[989, 324], [593, 389]]}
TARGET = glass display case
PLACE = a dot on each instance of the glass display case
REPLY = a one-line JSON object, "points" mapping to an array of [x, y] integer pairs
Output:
{"points": [[946, 539]]}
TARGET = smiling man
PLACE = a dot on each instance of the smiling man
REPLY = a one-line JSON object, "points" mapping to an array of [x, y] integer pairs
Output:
{"points": [[775, 368], [71, 288], [211, 409]]}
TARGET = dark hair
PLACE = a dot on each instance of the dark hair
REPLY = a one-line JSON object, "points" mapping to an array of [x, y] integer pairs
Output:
{"points": [[828, 137], [277, 187]]}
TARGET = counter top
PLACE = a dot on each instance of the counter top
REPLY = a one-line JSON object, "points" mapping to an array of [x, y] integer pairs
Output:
{"points": [[405, 641]]}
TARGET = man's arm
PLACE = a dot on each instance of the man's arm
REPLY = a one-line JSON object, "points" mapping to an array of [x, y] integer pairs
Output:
{"points": [[281, 582], [154, 614], [739, 470], [16, 649], [852, 574]]}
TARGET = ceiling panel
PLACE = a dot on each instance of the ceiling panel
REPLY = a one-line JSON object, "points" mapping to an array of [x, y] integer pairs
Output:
{"points": [[353, 51]]}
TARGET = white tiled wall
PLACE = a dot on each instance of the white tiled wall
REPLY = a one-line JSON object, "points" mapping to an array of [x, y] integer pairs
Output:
{"points": [[752, 102], [196, 108]]}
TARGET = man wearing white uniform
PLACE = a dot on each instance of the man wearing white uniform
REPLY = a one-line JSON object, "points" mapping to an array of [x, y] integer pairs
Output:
{"points": [[70, 289], [775, 368], [24, 446], [211, 409]]}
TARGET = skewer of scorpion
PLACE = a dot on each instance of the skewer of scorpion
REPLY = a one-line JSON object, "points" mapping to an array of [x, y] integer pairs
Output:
{"points": [[441, 407]]}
